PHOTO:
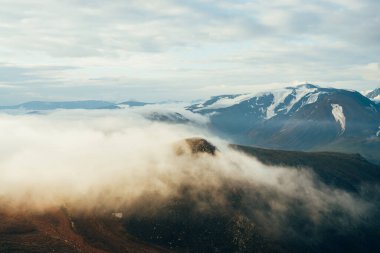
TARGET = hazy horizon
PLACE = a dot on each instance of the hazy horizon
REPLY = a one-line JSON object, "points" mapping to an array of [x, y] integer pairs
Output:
{"points": [[168, 101]]}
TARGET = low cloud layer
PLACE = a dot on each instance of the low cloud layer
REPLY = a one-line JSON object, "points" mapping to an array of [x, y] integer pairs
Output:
{"points": [[119, 160]]}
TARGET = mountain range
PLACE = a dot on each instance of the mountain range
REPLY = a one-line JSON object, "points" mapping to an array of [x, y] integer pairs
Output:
{"points": [[305, 117], [85, 104]]}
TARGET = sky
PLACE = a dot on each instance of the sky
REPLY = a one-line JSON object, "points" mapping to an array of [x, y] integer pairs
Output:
{"points": [[156, 50]]}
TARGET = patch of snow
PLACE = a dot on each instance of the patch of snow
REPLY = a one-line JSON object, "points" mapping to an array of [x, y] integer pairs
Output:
{"points": [[313, 97], [337, 112], [281, 95], [278, 97], [225, 102], [377, 98], [212, 114], [300, 93]]}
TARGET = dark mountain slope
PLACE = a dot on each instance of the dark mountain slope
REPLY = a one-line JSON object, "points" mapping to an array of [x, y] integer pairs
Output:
{"points": [[346, 171], [246, 221]]}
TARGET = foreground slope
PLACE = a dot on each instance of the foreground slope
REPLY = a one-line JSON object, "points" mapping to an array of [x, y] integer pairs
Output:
{"points": [[250, 221], [57, 230], [337, 211]]}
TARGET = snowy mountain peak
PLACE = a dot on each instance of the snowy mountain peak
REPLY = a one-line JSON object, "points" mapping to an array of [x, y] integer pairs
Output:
{"points": [[305, 100], [222, 101], [285, 100], [271, 103]]}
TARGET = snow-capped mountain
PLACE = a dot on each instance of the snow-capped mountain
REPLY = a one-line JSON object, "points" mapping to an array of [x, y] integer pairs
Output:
{"points": [[304, 117], [374, 95], [270, 104]]}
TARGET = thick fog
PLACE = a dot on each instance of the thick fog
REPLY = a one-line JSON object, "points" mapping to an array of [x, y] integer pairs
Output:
{"points": [[118, 160]]}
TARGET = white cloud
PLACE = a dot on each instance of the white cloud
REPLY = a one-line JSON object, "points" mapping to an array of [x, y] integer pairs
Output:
{"points": [[182, 46], [370, 72], [48, 161]]}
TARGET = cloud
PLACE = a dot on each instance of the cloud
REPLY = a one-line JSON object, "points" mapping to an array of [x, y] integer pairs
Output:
{"points": [[370, 71], [155, 41], [101, 162], [83, 159]]}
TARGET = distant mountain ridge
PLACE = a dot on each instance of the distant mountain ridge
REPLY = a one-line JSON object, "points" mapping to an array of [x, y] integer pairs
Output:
{"points": [[374, 95], [81, 104], [133, 103], [304, 117], [43, 105]]}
